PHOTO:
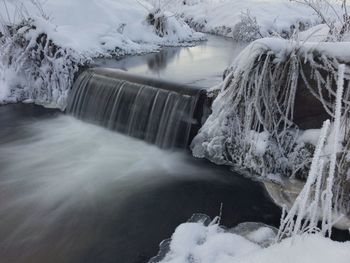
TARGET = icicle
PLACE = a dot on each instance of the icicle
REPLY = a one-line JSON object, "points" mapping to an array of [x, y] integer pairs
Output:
{"points": [[289, 226], [327, 212]]}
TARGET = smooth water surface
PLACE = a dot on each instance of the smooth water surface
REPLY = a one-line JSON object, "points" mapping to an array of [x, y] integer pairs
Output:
{"points": [[75, 192], [201, 65]]}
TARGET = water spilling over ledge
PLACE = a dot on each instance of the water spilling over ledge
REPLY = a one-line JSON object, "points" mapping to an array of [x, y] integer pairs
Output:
{"points": [[159, 112]]}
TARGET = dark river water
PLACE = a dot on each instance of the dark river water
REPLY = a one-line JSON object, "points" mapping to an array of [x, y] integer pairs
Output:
{"points": [[75, 192]]}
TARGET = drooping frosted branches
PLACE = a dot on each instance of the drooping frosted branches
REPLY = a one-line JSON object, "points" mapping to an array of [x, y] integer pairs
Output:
{"points": [[307, 203], [328, 193], [317, 198], [44, 70], [257, 122]]}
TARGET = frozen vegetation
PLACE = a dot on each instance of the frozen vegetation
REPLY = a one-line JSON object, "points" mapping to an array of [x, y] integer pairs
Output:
{"points": [[252, 126], [300, 238], [245, 20], [43, 43]]}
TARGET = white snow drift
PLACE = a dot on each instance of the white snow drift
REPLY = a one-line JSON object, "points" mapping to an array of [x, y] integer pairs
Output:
{"points": [[196, 242], [246, 20]]}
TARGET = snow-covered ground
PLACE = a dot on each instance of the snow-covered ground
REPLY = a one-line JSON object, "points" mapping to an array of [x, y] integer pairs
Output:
{"points": [[246, 20], [79, 30], [97, 27]]}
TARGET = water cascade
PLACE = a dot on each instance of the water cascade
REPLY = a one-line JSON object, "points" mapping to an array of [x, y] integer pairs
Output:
{"points": [[159, 112]]}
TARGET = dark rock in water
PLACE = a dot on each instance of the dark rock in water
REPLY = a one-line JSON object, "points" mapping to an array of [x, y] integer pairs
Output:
{"points": [[166, 114]]}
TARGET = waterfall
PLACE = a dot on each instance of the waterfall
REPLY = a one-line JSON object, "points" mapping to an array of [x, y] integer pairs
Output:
{"points": [[162, 113]]}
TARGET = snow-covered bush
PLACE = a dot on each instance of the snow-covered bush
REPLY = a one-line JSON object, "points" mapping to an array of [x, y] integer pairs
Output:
{"points": [[253, 125], [334, 14], [159, 21], [45, 71], [33, 67], [247, 30], [168, 25]]}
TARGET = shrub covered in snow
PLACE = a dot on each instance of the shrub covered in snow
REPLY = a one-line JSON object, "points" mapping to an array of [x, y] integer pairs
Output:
{"points": [[247, 29], [44, 71], [334, 14], [254, 126]]}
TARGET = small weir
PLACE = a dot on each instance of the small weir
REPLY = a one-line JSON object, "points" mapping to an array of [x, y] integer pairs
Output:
{"points": [[159, 112]]}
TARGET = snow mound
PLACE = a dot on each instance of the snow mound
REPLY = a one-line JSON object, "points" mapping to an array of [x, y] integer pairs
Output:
{"points": [[210, 243]]}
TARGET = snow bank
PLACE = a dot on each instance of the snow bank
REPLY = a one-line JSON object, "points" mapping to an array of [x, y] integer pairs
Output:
{"points": [[246, 20], [98, 27], [45, 42], [200, 242]]}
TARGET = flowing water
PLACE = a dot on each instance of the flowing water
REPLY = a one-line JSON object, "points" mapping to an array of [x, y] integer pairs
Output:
{"points": [[162, 113], [72, 191], [75, 192]]}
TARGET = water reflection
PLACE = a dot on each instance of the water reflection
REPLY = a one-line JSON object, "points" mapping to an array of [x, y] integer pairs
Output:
{"points": [[159, 61], [201, 65]]}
